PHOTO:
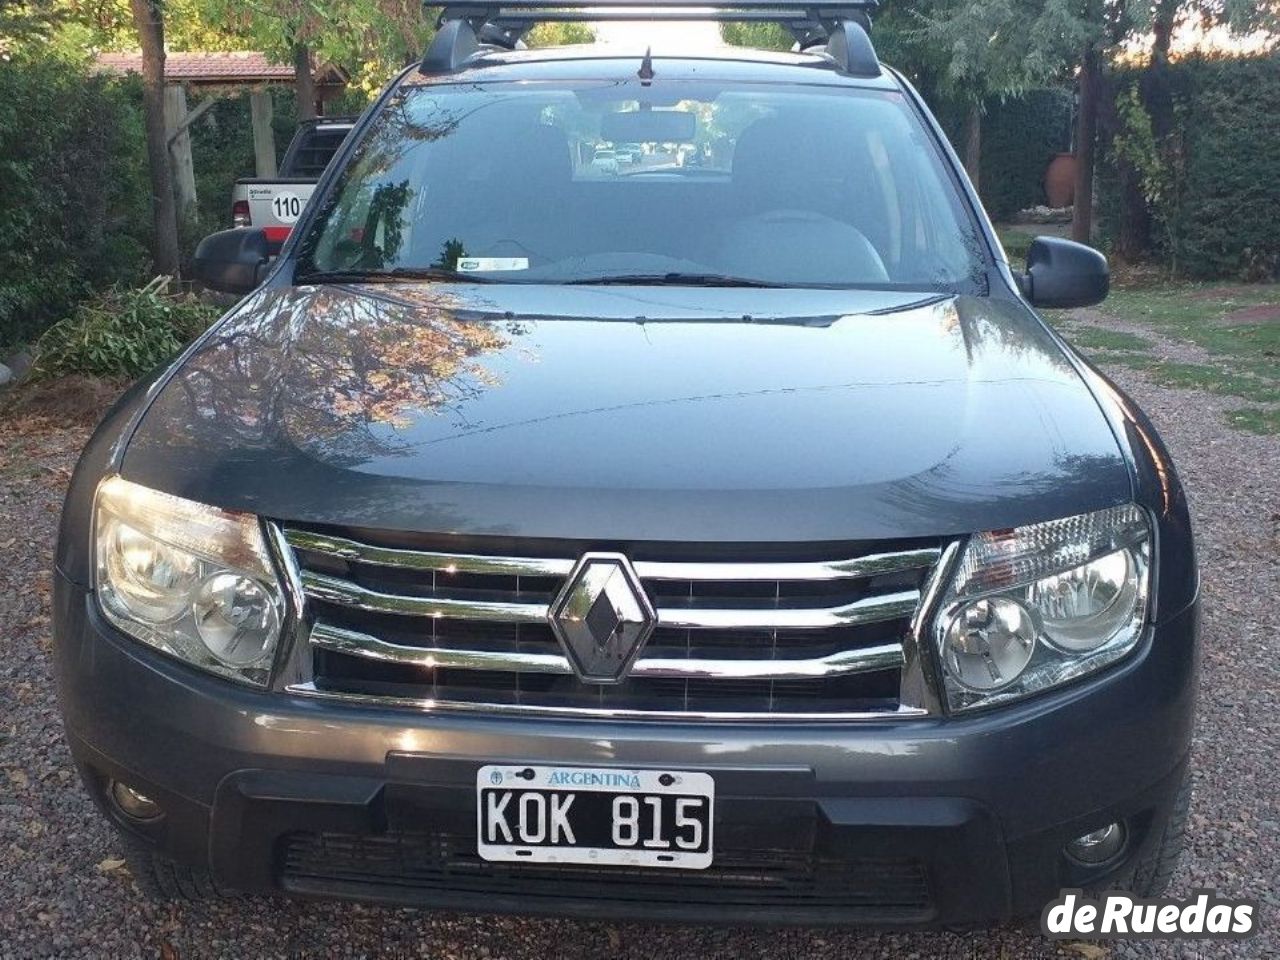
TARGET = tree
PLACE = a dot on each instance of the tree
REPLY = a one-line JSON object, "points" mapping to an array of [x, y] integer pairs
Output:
{"points": [[1015, 42], [369, 38], [149, 20], [25, 22]]}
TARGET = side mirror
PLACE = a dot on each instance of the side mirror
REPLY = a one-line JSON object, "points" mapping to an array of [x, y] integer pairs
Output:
{"points": [[232, 261], [1062, 273]]}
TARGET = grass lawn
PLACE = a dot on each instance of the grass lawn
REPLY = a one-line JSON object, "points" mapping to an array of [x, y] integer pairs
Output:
{"points": [[1219, 338]]}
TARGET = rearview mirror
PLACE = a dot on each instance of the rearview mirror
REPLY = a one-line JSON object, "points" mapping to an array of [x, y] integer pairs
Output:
{"points": [[649, 126], [1062, 273], [232, 261]]}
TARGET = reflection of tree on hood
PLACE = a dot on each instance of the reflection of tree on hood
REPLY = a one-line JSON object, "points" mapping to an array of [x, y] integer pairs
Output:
{"points": [[336, 373]]}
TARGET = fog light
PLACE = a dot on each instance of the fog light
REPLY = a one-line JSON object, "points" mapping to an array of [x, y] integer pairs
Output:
{"points": [[1098, 846], [133, 804]]}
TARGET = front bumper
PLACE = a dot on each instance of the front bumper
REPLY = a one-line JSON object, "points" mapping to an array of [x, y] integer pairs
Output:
{"points": [[902, 823]]}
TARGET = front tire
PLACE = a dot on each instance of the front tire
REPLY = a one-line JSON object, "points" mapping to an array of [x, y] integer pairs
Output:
{"points": [[1154, 871], [167, 881]]}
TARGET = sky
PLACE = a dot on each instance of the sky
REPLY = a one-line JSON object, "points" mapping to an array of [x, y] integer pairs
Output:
{"points": [[665, 37]]}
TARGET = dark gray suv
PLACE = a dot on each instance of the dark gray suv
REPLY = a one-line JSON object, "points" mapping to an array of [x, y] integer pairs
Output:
{"points": [[717, 534]]}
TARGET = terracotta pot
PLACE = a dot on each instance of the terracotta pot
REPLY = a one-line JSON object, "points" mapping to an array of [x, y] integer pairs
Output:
{"points": [[1060, 180]]}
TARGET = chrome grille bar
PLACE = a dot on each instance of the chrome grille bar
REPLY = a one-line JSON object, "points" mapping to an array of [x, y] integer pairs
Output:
{"points": [[348, 594], [431, 705], [786, 571], [869, 610], [357, 644], [426, 560], [781, 571], [843, 663]]}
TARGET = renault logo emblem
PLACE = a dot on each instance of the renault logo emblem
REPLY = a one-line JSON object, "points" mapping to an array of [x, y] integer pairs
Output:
{"points": [[602, 617]]}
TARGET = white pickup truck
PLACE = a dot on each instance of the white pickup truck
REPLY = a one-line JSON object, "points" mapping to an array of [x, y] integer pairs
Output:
{"points": [[275, 203]]}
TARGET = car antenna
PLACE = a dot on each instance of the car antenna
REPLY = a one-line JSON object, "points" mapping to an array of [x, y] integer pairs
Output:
{"points": [[646, 67]]}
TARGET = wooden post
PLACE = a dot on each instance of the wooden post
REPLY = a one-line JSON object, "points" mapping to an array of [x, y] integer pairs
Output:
{"points": [[178, 136], [264, 138]]}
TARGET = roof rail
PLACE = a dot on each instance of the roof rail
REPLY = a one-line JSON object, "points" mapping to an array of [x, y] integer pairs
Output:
{"points": [[842, 26]]}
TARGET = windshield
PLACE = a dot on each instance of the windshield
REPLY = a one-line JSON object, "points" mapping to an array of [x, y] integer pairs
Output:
{"points": [[616, 182]]}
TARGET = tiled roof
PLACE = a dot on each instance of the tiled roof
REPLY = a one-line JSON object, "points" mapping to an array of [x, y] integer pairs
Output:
{"points": [[239, 67]]}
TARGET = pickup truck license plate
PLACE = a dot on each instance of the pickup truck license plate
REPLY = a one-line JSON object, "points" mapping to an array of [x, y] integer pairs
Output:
{"points": [[645, 818]]}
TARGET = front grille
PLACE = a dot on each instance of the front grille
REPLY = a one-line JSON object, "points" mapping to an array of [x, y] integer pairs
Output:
{"points": [[888, 888], [392, 619]]}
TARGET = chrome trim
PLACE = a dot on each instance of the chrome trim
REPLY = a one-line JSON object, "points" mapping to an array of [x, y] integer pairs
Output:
{"points": [[786, 571], [868, 610], [357, 644], [290, 573], [293, 659], [918, 696], [920, 686], [425, 560], [335, 590], [864, 660], [602, 713], [821, 570]]}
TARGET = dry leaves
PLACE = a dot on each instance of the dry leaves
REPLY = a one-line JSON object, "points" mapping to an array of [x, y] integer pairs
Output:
{"points": [[1090, 951]]}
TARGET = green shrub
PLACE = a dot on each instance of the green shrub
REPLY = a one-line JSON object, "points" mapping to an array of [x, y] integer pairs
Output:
{"points": [[76, 209], [122, 332]]}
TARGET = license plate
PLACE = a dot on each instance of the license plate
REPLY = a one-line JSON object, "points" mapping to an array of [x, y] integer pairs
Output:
{"points": [[645, 818]]}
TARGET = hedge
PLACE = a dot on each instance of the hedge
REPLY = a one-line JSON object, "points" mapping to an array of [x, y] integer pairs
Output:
{"points": [[76, 213], [76, 209], [1225, 169], [1200, 184], [1020, 136]]}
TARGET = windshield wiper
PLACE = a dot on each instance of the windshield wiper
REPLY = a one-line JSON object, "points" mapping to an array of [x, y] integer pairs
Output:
{"points": [[390, 276], [673, 280]]}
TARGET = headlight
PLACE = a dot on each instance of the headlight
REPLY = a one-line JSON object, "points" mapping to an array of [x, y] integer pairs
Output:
{"points": [[1039, 605], [188, 579]]}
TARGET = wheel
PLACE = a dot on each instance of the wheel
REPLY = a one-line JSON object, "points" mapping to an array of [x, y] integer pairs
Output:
{"points": [[1152, 874], [162, 879]]}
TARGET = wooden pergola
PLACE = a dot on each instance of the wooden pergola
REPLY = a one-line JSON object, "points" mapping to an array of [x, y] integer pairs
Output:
{"points": [[212, 74]]}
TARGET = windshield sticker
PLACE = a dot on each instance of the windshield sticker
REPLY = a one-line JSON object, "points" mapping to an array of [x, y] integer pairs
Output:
{"points": [[485, 264]]}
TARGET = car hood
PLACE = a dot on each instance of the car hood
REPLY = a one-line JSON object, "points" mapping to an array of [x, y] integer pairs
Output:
{"points": [[623, 414]]}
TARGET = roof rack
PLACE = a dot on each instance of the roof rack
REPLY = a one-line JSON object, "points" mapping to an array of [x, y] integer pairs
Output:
{"points": [[842, 26]]}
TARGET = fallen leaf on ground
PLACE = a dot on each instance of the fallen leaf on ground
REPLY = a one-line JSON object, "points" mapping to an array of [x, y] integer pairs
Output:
{"points": [[1090, 951], [110, 864]]}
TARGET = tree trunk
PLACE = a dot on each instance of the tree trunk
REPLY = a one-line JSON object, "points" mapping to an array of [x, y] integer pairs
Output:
{"points": [[304, 82], [1086, 135], [1133, 219], [973, 144], [149, 22], [1164, 19]]}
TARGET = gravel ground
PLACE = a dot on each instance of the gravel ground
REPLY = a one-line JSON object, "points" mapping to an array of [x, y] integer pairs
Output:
{"points": [[64, 893]]}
